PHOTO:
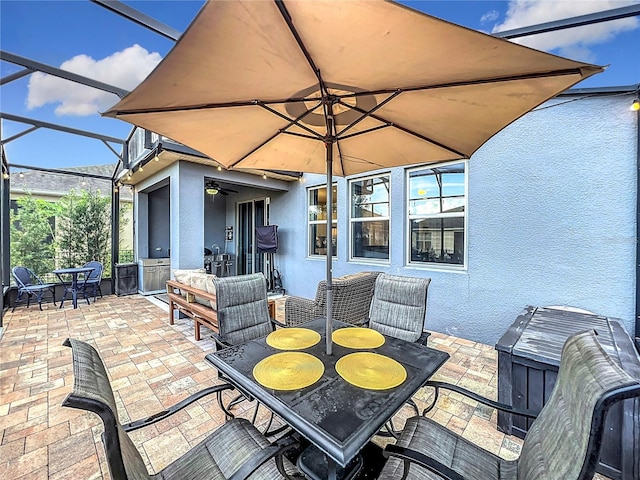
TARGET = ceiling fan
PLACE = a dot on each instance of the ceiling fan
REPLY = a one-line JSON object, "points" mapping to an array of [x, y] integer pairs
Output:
{"points": [[213, 188]]}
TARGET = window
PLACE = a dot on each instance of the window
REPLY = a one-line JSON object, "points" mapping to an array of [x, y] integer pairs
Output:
{"points": [[370, 218], [318, 220], [437, 205]]}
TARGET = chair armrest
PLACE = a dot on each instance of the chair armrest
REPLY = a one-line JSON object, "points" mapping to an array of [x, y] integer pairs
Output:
{"points": [[299, 310], [135, 425], [423, 338], [276, 449], [478, 398], [411, 456], [219, 342], [276, 323]]}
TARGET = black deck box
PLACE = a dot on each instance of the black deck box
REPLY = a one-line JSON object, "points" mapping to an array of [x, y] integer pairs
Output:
{"points": [[126, 279], [528, 360]]}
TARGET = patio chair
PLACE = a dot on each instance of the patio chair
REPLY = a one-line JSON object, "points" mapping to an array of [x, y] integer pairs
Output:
{"points": [[242, 309], [235, 450], [243, 314], [30, 285], [92, 281], [351, 300], [562, 444], [399, 306]]}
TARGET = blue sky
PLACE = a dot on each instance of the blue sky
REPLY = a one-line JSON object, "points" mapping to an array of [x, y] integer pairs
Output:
{"points": [[87, 39]]}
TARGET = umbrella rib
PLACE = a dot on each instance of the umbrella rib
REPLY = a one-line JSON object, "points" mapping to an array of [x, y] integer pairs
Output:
{"points": [[467, 83], [280, 131], [250, 152], [211, 106], [294, 121], [368, 130], [404, 129], [365, 115], [289, 21], [302, 135]]}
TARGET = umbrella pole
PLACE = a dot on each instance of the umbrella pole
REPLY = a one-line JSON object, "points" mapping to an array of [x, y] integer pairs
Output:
{"points": [[328, 328]]}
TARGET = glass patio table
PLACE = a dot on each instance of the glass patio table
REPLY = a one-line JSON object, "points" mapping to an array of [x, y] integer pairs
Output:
{"points": [[72, 287], [335, 416]]}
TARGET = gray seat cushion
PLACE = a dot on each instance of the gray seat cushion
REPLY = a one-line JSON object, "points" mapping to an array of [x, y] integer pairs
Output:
{"points": [[399, 306], [242, 308], [565, 436], [436, 441], [220, 455]]}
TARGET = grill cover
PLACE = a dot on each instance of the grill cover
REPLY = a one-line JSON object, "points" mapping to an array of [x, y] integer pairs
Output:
{"points": [[267, 238]]}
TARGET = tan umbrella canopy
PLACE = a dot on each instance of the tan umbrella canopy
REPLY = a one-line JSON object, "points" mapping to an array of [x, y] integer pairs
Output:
{"points": [[339, 87]]}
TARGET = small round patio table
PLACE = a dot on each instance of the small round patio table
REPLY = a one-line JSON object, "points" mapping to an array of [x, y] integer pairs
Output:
{"points": [[73, 287]]}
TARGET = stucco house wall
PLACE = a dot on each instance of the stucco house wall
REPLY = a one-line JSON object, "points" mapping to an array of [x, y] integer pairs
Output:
{"points": [[551, 220]]}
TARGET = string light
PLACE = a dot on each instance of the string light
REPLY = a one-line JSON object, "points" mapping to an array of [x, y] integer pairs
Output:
{"points": [[21, 175], [157, 159], [219, 168], [635, 106], [141, 169], [5, 175], [264, 175]]}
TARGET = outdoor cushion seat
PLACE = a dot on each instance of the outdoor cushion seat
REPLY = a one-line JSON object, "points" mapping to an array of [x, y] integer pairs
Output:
{"points": [[235, 450], [563, 442], [184, 276], [30, 286], [351, 300], [242, 309], [243, 313], [399, 306]]}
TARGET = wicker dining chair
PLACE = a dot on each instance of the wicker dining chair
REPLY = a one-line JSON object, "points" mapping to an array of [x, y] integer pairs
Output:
{"points": [[563, 442], [235, 450], [351, 300]]}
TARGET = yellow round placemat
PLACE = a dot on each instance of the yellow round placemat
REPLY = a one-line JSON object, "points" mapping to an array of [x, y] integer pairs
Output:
{"points": [[288, 371], [293, 338], [358, 337], [371, 371]]}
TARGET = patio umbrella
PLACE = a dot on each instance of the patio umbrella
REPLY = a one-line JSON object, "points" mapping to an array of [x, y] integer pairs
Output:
{"points": [[341, 88]]}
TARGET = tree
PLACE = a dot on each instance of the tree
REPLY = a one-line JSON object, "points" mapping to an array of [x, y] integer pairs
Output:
{"points": [[84, 229], [32, 234]]}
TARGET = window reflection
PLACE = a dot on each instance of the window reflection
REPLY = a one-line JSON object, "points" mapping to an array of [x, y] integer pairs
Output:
{"points": [[436, 206], [317, 207], [370, 217]]}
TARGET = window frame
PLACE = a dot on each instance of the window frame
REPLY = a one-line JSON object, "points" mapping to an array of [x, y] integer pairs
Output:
{"points": [[409, 217], [353, 219], [334, 221]]}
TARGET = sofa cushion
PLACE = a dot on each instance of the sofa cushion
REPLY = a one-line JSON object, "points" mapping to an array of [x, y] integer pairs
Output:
{"points": [[201, 282], [211, 288], [184, 276]]}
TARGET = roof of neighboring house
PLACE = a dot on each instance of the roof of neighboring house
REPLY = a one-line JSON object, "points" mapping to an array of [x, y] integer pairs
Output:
{"points": [[58, 184]]}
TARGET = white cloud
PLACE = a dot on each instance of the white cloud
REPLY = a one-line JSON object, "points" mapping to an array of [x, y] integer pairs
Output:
{"points": [[489, 17], [572, 42], [124, 69]]}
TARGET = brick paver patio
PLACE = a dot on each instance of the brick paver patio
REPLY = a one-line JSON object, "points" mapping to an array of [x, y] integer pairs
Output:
{"points": [[153, 365]]}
